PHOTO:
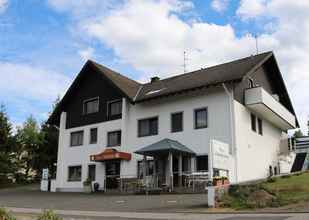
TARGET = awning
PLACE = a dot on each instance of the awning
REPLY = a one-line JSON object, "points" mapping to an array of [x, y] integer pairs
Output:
{"points": [[110, 154], [164, 146]]}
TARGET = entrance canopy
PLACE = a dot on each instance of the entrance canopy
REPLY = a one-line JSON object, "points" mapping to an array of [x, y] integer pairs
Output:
{"points": [[110, 154], [164, 147]]}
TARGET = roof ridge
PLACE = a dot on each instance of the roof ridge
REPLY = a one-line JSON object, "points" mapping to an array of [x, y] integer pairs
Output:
{"points": [[210, 67]]}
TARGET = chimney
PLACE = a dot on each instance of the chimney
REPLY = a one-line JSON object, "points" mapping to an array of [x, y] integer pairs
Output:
{"points": [[154, 79]]}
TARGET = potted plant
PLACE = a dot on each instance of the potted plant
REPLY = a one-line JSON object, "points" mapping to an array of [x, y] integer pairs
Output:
{"points": [[217, 181], [225, 180], [87, 186]]}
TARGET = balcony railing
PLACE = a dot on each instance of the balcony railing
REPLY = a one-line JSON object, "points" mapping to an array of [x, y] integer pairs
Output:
{"points": [[267, 107]]}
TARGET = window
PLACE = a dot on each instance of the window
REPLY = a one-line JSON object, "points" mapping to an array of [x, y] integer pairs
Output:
{"points": [[77, 138], [114, 108], [253, 122], [202, 163], [149, 170], [91, 172], [93, 135], [75, 173], [114, 138], [260, 126], [91, 106], [200, 116], [176, 124], [148, 127]]}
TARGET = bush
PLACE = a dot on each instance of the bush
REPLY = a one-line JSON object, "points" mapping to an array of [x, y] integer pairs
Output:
{"points": [[5, 215], [49, 215]]}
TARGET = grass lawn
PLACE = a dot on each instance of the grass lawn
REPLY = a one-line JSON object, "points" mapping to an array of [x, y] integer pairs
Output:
{"points": [[290, 189], [275, 192]]}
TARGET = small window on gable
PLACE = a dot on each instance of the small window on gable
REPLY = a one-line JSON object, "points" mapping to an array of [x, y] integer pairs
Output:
{"points": [[253, 122], [260, 126], [91, 106], [114, 108]]}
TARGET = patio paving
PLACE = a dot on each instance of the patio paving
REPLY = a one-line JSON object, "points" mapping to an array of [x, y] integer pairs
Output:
{"points": [[30, 197]]}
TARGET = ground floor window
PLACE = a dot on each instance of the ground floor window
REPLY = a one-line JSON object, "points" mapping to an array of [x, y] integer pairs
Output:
{"points": [[91, 172], [202, 163], [149, 171], [75, 173]]}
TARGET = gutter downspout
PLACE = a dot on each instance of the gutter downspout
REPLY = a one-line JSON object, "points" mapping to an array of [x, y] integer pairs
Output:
{"points": [[232, 128]]}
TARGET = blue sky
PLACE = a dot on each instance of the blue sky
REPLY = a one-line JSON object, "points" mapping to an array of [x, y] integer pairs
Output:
{"points": [[44, 43]]}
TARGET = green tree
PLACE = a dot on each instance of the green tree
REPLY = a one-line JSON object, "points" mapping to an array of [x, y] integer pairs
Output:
{"points": [[298, 133], [29, 139], [6, 138]]}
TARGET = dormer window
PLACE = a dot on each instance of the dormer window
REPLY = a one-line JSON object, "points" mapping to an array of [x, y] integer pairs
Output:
{"points": [[91, 105], [114, 108], [250, 83]]}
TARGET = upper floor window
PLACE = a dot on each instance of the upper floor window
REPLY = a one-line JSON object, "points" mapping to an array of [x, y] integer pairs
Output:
{"points": [[114, 108], [91, 106], [176, 122], [201, 118], [147, 127], [260, 126], [75, 173], [77, 138], [253, 122], [93, 136], [114, 138]]}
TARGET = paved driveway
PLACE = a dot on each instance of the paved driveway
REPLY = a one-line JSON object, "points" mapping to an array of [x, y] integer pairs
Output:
{"points": [[32, 198]]}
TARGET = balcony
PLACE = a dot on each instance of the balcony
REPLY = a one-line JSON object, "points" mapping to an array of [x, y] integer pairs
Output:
{"points": [[268, 108]]}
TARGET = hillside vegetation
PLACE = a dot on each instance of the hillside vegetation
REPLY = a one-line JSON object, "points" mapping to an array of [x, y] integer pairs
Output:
{"points": [[274, 192]]}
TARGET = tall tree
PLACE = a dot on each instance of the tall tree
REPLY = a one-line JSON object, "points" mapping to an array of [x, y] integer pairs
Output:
{"points": [[6, 138], [29, 139]]}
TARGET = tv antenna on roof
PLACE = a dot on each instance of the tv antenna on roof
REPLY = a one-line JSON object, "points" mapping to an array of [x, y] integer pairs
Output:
{"points": [[256, 44], [185, 59]]}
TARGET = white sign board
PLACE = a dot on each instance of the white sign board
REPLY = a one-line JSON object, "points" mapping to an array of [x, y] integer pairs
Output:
{"points": [[220, 155], [45, 174]]}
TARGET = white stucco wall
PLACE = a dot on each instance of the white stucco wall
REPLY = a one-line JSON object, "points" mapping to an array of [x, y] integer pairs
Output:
{"points": [[255, 153], [197, 140]]}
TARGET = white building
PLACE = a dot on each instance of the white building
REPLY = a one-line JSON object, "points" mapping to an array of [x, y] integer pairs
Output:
{"points": [[107, 122]]}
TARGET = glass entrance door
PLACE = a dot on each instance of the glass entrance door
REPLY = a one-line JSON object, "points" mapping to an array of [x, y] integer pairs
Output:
{"points": [[112, 172]]}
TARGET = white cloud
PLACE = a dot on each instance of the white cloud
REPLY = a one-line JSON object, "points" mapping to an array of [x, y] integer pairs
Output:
{"points": [[3, 5], [31, 83], [151, 36], [86, 54], [220, 5]]}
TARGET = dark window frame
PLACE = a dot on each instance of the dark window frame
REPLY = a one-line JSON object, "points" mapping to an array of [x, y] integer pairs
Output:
{"points": [[253, 122], [109, 103], [71, 138], [260, 126], [139, 121], [91, 100], [173, 130], [108, 144], [195, 117], [75, 180], [92, 178], [202, 156], [90, 137]]}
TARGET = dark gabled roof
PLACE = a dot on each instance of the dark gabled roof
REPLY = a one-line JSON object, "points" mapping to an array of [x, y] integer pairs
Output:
{"points": [[233, 71], [126, 85], [227, 72], [163, 146]]}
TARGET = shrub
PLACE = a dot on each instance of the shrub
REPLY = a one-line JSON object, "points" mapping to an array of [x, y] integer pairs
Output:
{"points": [[5, 215], [49, 215]]}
